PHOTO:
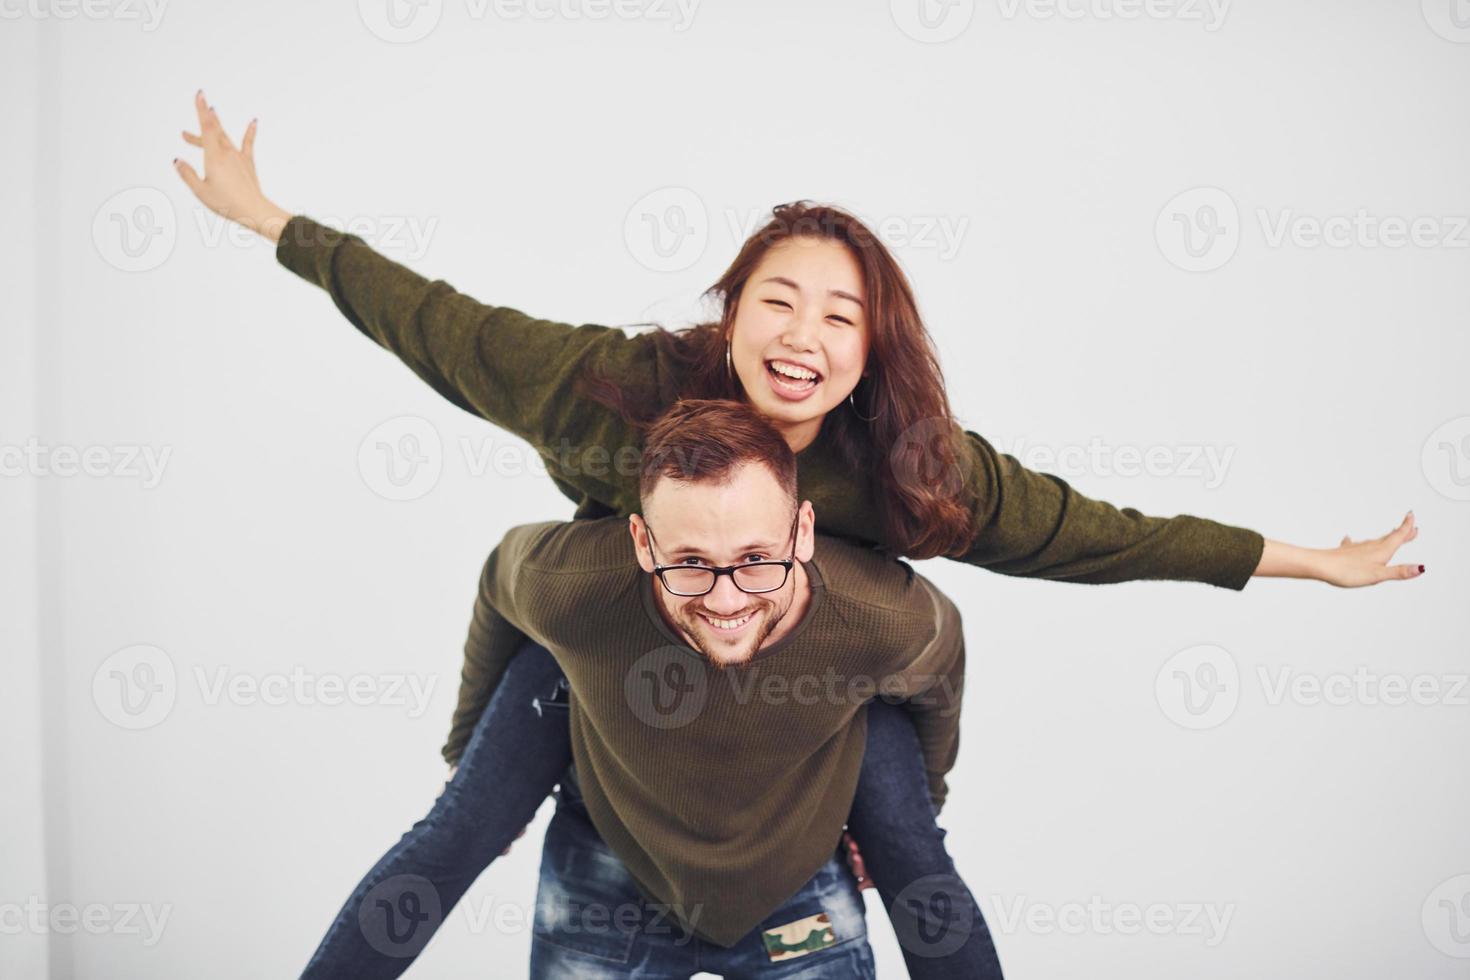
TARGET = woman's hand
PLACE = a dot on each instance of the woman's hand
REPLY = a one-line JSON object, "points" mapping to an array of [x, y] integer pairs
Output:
{"points": [[1350, 565], [855, 862], [229, 186]]}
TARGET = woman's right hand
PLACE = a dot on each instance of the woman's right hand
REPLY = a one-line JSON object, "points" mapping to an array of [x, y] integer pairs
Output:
{"points": [[229, 186]]}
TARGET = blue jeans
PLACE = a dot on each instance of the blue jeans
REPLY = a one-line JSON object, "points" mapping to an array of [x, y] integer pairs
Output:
{"points": [[592, 922], [521, 749]]}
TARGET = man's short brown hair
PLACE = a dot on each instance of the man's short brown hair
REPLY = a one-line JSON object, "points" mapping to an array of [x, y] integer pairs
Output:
{"points": [[702, 440]]}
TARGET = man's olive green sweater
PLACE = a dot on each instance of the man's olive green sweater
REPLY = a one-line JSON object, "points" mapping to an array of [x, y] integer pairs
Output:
{"points": [[724, 790], [520, 373]]}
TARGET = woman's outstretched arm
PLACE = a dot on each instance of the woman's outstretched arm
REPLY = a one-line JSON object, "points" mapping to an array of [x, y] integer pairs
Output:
{"points": [[519, 372], [1036, 524]]}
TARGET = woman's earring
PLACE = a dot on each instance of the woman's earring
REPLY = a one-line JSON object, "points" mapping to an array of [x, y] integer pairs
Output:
{"points": [[853, 405], [729, 368]]}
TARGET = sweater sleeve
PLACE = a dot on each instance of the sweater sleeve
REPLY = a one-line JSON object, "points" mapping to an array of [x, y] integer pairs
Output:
{"points": [[1037, 525], [932, 688], [512, 369]]}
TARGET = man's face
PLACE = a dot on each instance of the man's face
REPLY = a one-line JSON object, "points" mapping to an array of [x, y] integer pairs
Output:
{"points": [[746, 519]]}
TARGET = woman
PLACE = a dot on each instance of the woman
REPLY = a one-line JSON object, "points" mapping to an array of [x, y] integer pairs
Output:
{"points": [[820, 333]]}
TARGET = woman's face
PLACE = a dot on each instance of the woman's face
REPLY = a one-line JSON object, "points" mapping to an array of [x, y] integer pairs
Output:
{"points": [[799, 342]]}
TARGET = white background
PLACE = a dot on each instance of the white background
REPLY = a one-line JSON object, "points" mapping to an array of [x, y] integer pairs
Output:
{"points": [[1331, 834]]}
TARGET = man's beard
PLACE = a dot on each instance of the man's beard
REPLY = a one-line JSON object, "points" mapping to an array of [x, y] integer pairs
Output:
{"points": [[694, 627]]}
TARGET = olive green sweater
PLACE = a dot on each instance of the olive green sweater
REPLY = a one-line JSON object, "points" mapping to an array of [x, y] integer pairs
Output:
{"points": [[724, 790], [520, 372]]}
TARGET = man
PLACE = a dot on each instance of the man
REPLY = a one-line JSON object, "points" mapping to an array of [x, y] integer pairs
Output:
{"points": [[719, 674]]}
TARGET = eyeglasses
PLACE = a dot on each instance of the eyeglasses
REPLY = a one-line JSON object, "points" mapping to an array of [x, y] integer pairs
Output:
{"points": [[753, 576]]}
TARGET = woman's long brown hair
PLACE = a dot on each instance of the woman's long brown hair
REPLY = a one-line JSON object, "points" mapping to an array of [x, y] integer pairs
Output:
{"points": [[911, 444]]}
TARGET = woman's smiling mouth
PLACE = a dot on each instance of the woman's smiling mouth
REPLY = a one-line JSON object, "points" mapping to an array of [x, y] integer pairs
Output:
{"points": [[791, 380]]}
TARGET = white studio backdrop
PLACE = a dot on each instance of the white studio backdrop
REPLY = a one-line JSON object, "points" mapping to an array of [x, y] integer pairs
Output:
{"points": [[1194, 257]]}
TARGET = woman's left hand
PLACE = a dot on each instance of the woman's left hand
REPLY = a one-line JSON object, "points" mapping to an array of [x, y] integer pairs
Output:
{"points": [[1357, 563], [855, 862]]}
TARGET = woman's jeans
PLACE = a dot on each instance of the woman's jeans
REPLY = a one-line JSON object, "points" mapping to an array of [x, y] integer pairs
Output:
{"points": [[593, 923], [521, 749]]}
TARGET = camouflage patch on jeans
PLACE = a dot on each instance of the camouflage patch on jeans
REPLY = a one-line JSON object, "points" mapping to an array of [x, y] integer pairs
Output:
{"points": [[799, 938]]}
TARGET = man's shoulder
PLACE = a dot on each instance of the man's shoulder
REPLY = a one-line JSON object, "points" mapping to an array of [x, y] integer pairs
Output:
{"points": [[584, 547], [854, 572]]}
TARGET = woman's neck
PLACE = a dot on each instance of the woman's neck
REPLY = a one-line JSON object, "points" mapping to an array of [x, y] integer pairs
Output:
{"points": [[800, 435]]}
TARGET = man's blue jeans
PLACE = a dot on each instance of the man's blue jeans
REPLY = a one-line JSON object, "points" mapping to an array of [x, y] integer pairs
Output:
{"points": [[521, 748], [592, 922]]}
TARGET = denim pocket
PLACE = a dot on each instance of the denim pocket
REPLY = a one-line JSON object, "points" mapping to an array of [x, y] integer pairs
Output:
{"points": [[824, 920], [586, 901]]}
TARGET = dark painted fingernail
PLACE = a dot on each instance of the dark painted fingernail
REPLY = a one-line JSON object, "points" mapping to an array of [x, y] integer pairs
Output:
{"points": [[1421, 568]]}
